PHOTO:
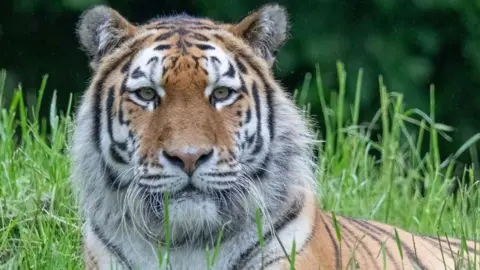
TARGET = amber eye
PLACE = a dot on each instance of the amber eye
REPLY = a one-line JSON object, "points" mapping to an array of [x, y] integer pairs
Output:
{"points": [[221, 93], [146, 94]]}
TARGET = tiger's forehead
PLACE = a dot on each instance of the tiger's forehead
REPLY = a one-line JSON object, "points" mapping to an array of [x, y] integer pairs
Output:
{"points": [[180, 57]]}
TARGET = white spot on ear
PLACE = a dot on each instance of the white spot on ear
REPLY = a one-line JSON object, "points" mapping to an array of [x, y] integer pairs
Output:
{"points": [[104, 35]]}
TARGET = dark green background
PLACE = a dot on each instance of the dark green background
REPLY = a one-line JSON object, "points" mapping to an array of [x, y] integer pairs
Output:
{"points": [[411, 43]]}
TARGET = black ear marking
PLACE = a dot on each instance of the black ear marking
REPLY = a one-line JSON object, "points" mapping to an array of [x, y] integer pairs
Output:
{"points": [[265, 30], [100, 30]]}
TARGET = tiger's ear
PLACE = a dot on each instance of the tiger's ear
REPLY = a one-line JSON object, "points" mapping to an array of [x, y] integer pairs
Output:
{"points": [[100, 30], [265, 30]]}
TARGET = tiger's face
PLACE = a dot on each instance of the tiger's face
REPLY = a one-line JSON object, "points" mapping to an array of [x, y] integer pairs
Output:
{"points": [[183, 106]]}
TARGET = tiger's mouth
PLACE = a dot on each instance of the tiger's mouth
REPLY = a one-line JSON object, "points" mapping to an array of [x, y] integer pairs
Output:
{"points": [[188, 194]]}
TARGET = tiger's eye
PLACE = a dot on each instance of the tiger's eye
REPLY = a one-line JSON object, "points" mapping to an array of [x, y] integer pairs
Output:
{"points": [[146, 94], [221, 93]]}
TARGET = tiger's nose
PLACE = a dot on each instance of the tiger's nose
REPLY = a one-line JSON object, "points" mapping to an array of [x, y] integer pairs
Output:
{"points": [[189, 159]]}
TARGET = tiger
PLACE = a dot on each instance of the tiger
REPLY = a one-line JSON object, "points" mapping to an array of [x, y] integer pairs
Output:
{"points": [[187, 153]]}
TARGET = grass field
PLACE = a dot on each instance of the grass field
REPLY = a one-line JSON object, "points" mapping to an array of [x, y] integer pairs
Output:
{"points": [[372, 170]]}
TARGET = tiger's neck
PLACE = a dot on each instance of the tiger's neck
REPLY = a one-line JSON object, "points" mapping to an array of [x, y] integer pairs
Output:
{"points": [[242, 250]]}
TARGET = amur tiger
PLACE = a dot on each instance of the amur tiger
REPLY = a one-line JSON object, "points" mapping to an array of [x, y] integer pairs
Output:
{"points": [[184, 135]]}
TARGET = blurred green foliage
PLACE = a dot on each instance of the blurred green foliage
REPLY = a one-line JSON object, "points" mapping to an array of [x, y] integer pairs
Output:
{"points": [[410, 43]]}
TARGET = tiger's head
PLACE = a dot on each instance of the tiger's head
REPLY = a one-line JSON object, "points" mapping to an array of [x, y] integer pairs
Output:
{"points": [[187, 107]]}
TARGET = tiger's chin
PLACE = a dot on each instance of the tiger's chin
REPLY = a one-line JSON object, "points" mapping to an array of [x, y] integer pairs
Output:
{"points": [[195, 217]]}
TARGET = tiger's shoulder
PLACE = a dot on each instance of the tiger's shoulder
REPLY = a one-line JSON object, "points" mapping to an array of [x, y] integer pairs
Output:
{"points": [[340, 242]]}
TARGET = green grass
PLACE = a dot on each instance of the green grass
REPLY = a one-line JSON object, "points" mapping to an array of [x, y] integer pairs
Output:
{"points": [[372, 170]]}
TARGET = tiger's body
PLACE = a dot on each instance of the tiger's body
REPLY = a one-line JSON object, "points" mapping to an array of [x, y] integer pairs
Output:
{"points": [[189, 107]]}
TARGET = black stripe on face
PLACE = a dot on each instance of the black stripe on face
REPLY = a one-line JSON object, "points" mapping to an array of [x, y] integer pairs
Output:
{"points": [[221, 174], [126, 66], [162, 47], [215, 59], [202, 27], [199, 37], [259, 141], [217, 36], [248, 115], [241, 66], [113, 179], [121, 115], [116, 156], [205, 47], [157, 176], [165, 35], [243, 88], [153, 59], [230, 72], [271, 116], [291, 214], [109, 116], [137, 73]]}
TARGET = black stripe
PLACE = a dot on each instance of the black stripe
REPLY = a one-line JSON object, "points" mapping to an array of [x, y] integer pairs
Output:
{"points": [[116, 156], [243, 87], [248, 115], [255, 68], [260, 172], [137, 73], [271, 118], [109, 116], [291, 214], [112, 179], [202, 27], [334, 243], [259, 141], [241, 66], [126, 66], [230, 72], [366, 228], [205, 47], [199, 37], [162, 47], [121, 115], [163, 25], [221, 174], [153, 59], [411, 255], [157, 176], [113, 248], [217, 36], [165, 35], [447, 242], [361, 243], [123, 87], [214, 59]]}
